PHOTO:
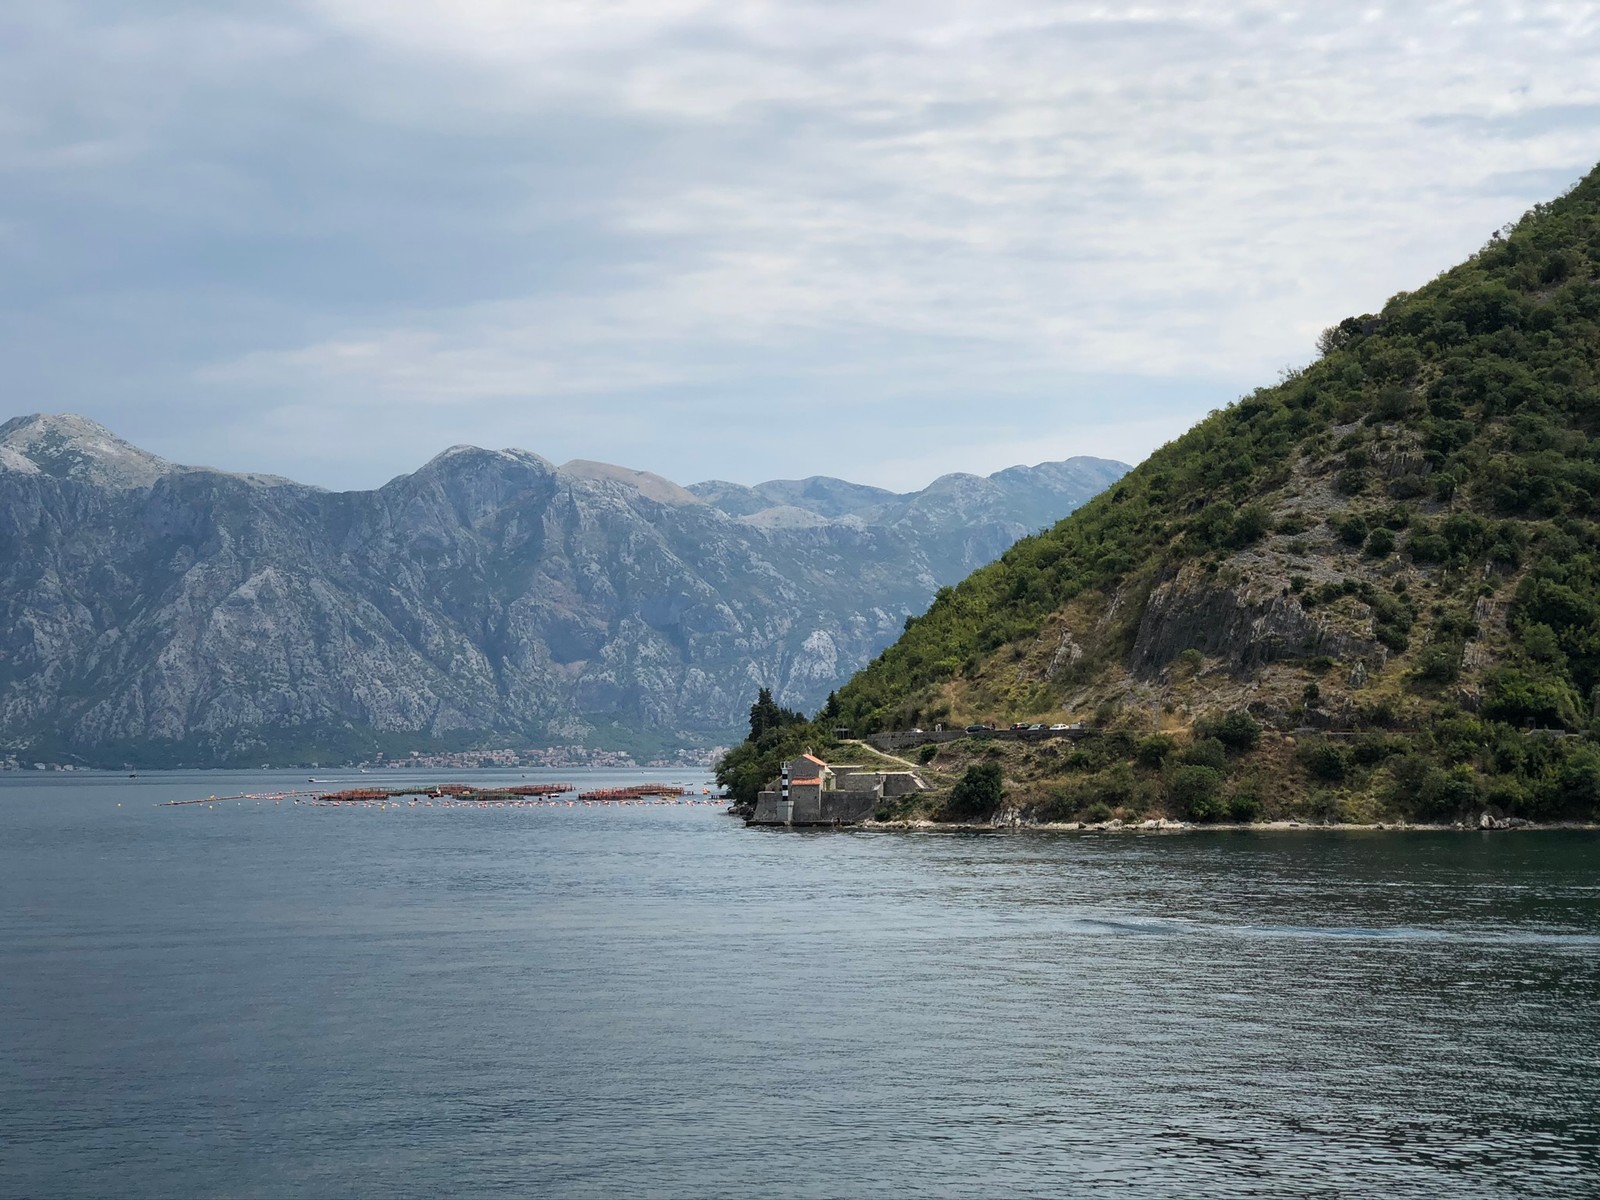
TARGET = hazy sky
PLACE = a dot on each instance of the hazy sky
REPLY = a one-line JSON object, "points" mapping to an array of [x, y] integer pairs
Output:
{"points": [[742, 240]]}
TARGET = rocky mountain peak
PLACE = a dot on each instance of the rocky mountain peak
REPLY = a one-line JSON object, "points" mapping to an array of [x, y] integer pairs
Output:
{"points": [[466, 456], [72, 447]]}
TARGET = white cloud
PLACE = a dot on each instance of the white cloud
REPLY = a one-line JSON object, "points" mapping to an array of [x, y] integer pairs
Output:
{"points": [[579, 221]]}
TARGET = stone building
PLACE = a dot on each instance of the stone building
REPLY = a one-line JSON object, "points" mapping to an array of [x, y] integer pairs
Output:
{"points": [[809, 791]]}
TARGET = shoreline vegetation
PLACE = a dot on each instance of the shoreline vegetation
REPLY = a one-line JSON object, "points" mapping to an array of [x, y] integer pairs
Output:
{"points": [[1162, 825], [1226, 772]]}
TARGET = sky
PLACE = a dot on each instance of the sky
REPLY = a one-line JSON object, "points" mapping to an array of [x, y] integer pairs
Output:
{"points": [[738, 240]]}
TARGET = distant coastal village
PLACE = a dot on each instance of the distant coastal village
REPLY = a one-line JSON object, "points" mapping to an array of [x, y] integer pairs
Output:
{"points": [[566, 757], [557, 757]]}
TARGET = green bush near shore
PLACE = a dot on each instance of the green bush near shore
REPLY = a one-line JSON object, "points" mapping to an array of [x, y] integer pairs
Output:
{"points": [[976, 794]]}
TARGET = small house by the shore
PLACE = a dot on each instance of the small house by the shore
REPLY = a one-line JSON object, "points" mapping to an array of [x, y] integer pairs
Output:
{"points": [[809, 791]]}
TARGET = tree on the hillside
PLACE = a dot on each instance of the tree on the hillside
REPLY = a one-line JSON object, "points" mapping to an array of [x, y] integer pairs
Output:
{"points": [[766, 715], [776, 733]]}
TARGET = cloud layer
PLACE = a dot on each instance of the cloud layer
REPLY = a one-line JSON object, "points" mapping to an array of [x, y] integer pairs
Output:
{"points": [[329, 238]]}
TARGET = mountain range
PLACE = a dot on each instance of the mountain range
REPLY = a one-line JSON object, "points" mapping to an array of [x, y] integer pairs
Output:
{"points": [[159, 613]]}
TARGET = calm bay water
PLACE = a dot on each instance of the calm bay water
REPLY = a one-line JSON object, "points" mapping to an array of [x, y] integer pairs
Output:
{"points": [[265, 1000]]}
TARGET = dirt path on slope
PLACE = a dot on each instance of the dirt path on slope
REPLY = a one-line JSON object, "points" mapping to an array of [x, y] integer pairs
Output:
{"points": [[927, 771]]}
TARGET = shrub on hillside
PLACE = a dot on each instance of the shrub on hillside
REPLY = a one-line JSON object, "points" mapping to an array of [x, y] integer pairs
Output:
{"points": [[1194, 790], [1153, 750], [1372, 748], [1580, 778], [1238, 731], [1352, 528], [1440, 663], [977, 793], [1522, 697], [1115, 786], [1207, 752], [1249, 526], [1430, 793], [1061, 803], [1351, 481], [1393, 637], [1324, 760], [1426, 546], [1245, 805]]}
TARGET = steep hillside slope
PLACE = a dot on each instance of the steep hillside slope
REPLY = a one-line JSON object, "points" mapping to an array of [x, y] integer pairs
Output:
{"points": [[156, 613], [1397, 546]]}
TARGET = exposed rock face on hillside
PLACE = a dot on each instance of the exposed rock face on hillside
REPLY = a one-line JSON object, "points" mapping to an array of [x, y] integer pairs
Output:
{"points": [[488, 594], [1245, 625]]}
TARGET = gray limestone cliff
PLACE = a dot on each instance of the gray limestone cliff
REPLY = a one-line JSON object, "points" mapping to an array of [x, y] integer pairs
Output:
{"points": [[489, 595]]}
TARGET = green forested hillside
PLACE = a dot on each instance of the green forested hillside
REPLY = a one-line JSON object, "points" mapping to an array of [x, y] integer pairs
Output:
{"points": [[1394, 552]]}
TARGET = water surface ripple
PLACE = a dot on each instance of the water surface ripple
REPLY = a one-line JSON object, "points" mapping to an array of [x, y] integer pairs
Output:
{"points": [[259, 1000]]}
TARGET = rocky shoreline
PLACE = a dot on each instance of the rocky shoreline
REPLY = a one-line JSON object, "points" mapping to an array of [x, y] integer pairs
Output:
{"points": [[1015, 822]]}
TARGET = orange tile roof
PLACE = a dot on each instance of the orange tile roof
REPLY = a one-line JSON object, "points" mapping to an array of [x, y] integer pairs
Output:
{"points": [[818, 779]]}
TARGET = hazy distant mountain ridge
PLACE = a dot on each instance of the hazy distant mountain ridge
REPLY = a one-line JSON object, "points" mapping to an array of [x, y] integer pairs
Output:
{"points": [[1026, 496], [488, 595]]}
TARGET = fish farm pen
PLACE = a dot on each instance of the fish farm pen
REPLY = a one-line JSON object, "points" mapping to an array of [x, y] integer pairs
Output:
{"points": [[464, 795]]}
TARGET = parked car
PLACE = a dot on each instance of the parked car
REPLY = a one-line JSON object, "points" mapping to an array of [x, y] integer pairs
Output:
{"points": [[977, 729]]}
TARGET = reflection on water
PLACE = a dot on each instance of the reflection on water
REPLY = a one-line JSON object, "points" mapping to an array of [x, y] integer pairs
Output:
{"points": [[264, 1001]]}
